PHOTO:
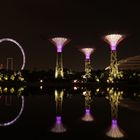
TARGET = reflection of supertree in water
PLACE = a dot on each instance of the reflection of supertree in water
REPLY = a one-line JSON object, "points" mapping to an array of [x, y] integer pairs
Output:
{"points": [[58, 126], [87, 52], [114, 131], [59, 42], [87, 116], [113, 40]]}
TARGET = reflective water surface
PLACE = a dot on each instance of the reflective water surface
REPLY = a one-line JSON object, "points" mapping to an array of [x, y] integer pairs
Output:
{"points": [[40, 112]]}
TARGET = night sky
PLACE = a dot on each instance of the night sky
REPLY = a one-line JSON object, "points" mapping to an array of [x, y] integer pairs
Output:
{"points": [[85, 22]]}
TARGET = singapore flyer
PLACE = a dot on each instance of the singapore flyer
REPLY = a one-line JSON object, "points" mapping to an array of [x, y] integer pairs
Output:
{"points": [[7, 123], [20, 47]]}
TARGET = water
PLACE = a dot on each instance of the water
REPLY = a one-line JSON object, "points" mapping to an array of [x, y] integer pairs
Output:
{"points": [[41, 108]]}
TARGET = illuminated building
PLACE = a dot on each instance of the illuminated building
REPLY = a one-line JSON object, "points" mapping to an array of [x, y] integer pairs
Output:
{"points": [[9, 64], [114, 130], [87, 116], [87, 52], [113, 40], [1, 66], [58, 126], [59, 42]]}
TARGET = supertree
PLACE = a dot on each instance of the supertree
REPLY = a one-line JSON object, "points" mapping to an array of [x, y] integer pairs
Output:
{"points": [[59, 42], [113, 40], [58, 126], [87, 117], [87, 52], [114, 130]]}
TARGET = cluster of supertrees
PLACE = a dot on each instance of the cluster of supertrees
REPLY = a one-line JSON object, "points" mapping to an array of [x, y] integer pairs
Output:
{"points": [[112, 39]]}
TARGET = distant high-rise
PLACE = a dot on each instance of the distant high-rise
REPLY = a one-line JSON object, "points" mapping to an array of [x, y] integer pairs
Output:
{"points": [[59, 42], [1, 66], [9, 64]]}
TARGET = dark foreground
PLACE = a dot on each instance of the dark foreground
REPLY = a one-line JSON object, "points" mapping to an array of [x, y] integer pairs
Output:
{"points": [[38, 117]]}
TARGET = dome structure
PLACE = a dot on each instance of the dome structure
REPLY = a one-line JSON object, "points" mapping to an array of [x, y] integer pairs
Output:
{"points": [[130, 63]]}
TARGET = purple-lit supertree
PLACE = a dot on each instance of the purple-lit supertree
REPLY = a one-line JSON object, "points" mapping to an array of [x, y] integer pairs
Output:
{"points": [[59, 42], [87, 52], [58, 126], [114, 130], [113, 40], [87, 116]]}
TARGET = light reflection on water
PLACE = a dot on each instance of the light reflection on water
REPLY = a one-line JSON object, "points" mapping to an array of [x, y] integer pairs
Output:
{"points": [[102, 113]]}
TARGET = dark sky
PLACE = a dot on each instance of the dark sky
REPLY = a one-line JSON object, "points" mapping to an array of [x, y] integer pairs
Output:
{"points": [[33, 22]]}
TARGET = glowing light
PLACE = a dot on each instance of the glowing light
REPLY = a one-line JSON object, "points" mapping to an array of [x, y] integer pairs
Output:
{"points": [[59, 42], [87, 116], [58, 126], [58, 119], [113, 40], [12, 90], [75, 88], [114, 131], [5, 89], [20, 47], [16, 118], [75, 81], [84, 93], [41, 87], [87, 52]]}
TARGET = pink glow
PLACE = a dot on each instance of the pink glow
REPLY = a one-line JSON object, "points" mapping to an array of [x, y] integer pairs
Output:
{"points": [[114, 131], [87, 116], [59, 48], [58, 126], [114, 123], [59, 42], [58, 120], [113, 47], [114, 40], [87, 111], [87, 52]]}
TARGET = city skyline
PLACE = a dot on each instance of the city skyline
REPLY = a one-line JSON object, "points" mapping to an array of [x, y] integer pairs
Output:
{"points": [[32, 23]]}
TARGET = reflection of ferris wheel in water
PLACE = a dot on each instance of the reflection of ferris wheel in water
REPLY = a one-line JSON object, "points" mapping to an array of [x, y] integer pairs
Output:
{"points": [[22, 67], [20, 47], [18, 115]]}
